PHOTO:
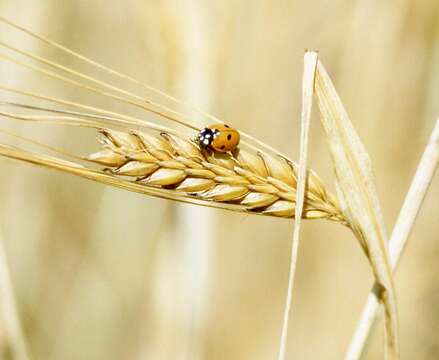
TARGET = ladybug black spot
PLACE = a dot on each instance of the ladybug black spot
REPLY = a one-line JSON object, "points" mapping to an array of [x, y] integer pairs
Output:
{"points": [[229, 137], [227, 126], [222, 147]]}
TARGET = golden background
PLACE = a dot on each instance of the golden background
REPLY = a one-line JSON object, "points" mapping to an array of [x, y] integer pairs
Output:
{"points": [[100, 273]]}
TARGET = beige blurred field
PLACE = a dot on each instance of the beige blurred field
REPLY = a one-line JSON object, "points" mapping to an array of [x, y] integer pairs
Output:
{"points": [[101, 273]]}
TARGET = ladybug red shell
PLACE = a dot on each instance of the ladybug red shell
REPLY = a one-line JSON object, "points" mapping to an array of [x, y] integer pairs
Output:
{"points": [[219, 137]]}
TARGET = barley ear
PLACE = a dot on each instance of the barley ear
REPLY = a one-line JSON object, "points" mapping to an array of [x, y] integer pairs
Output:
{"points": [[255, 183]]}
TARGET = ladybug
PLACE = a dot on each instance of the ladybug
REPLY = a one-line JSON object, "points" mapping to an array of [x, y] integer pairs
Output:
{"points": [[219, 137]]}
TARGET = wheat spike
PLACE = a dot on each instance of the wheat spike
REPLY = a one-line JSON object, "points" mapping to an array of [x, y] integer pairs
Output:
{"points": [[259, 183]]}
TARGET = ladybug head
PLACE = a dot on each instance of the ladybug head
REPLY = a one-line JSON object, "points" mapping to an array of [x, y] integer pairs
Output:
{"points": [[206, 136]]}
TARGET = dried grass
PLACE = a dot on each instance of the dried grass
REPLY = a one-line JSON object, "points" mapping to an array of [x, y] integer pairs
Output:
{"points": [[408, 214], [174, 167], [156, 160]]}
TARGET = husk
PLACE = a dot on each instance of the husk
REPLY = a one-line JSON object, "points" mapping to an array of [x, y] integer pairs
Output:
{"points": [[359, 198]]}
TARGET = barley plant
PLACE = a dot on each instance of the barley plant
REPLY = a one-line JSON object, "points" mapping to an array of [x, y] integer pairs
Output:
{"points": [[136, 278]]}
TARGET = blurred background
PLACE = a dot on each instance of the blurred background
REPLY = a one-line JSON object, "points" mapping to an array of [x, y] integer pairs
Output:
{"points": [[101, 273]]}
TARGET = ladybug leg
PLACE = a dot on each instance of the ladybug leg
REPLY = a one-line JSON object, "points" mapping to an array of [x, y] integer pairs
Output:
{"points": [[235, 152]]}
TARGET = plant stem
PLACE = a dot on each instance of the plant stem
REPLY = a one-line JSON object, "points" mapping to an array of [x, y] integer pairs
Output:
{"points": [[307, 96], [398, 240]]}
